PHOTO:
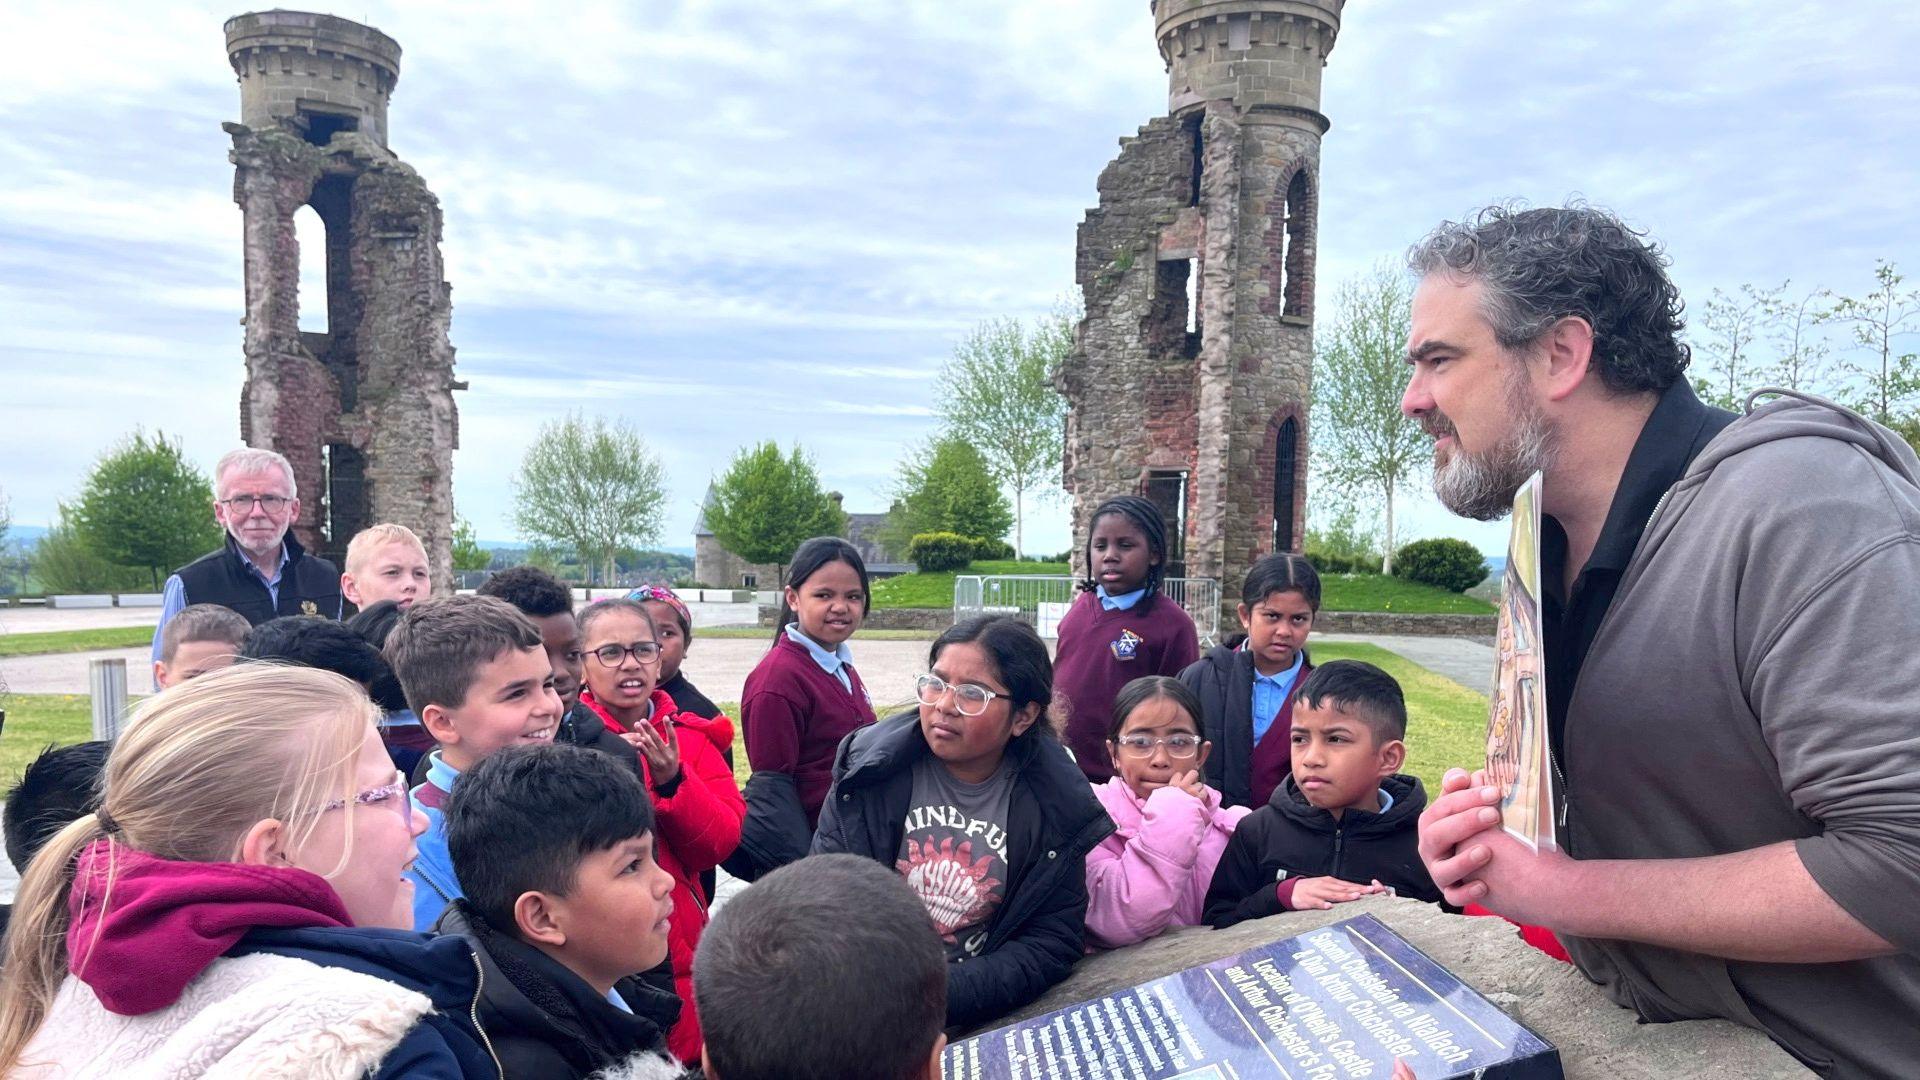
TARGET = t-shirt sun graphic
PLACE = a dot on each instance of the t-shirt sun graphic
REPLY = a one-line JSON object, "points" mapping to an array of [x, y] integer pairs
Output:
{"points": [[954, 852]]}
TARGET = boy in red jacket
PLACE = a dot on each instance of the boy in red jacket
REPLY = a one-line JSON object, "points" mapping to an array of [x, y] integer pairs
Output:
{"points": [[697, 808]]}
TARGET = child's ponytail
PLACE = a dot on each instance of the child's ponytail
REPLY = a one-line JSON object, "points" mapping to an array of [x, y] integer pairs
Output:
{"points": [[36, 962]]}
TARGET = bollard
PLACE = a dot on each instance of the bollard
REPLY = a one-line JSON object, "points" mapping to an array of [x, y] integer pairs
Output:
{"points": [[107, 682]]}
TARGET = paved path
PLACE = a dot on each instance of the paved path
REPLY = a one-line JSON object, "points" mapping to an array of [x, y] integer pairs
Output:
{"points": [[1467, 661]]}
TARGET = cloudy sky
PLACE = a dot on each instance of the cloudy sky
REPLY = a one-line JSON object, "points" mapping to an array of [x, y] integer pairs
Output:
{"points": [[728, 221]]}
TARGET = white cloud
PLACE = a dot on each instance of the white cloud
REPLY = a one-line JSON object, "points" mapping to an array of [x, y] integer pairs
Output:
{"points": [[733, 220]]}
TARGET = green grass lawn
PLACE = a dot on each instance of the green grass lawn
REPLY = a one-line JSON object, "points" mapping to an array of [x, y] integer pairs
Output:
{"points": [[66, 641], [33, 721], [1376, 592], [936, 590]]}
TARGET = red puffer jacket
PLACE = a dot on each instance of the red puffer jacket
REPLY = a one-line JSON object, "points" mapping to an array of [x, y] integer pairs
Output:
{"points": [[695, 826]]}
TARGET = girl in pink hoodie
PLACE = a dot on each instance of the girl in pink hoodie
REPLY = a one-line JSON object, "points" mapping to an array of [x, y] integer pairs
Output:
{"points": [[1153, 872]]}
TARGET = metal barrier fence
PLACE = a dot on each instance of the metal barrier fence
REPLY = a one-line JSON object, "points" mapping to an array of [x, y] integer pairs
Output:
{"points": [[1042, 600]]}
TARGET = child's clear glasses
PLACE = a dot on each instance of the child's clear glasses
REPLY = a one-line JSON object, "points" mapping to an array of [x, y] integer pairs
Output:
{"points": [[971, 699], [644, 652], [393, 795], [1179, 747]]}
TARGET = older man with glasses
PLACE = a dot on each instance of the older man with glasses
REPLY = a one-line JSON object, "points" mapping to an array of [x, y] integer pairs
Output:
{"points": [[261, 571]]}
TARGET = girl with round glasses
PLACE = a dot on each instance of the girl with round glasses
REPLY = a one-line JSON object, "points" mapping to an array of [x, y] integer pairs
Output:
{"points": [[237, 904], [1170, 827], [974, 801], [697, 808]]}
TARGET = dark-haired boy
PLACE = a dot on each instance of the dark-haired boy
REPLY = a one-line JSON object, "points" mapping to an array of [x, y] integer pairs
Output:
{"points": [[202, 638], [547, 603], [564, 906], [477, 676], [1345, 823], [56, 789], [791, 986]]}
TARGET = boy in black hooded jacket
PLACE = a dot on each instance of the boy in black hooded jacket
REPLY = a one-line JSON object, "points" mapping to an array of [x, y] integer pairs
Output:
{"points": [[564, 907], [1345, 823]]}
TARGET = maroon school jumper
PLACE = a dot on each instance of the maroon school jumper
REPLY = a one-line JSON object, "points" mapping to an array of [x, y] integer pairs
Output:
{"points": [[793, 715], [1102, 651], [1273, 755]]}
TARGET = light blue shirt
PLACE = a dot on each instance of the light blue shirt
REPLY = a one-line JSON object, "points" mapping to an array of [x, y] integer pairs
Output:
{"points": [[1270, 695], [1386, 801], [173, 596], [1123, 602], [618, 1002], [833, 663], [435, 885]]}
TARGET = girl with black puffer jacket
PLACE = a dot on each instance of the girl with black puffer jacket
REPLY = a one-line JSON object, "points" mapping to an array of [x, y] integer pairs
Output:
{"points": [[975, 802]]}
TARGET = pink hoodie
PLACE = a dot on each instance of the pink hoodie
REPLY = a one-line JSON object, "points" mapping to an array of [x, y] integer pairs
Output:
{"points": [[1153, 872]]}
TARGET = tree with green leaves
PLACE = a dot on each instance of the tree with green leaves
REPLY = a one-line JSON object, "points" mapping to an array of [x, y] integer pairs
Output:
{"points": [[63, 563], [997, 393], [145, 505], [946, 485], [1878, 320], [591, 486], [1730, 323], [767, 503], [467, 552], [1363, 445]]}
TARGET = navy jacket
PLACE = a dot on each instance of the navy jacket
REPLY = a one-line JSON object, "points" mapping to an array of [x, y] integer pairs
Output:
{"points": [[1054, 820], [545, 1021], [1291, 838], [446, 1044], [309, 584]]}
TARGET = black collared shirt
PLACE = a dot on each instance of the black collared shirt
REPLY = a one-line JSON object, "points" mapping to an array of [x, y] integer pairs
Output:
{"points": [[1675, 432]]}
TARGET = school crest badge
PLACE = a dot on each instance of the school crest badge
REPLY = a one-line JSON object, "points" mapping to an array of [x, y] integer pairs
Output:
{"points": [[308, 607], [1127, 645]]}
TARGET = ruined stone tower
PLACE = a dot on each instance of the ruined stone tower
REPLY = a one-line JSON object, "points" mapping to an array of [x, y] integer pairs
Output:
{"points": [[364, 409], [1189, 379]]}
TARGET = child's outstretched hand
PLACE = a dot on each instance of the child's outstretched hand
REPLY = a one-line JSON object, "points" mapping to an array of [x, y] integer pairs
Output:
{"points": [[662, 754], [1191, 783], [1321, 893]]}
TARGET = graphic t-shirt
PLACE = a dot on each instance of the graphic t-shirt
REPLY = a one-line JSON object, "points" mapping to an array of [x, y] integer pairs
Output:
{"points": [[954, 854]]}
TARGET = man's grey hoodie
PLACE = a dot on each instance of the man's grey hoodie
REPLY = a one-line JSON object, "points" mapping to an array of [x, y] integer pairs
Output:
{"points": [[1757, 680]]}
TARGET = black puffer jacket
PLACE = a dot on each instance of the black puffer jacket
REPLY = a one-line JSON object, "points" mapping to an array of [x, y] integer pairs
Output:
{"points": [[1053, 821], [1223, 681], [545, 1021], [1291, 838]]}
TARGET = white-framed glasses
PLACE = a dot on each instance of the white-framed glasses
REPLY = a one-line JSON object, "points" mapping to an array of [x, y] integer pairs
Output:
{"points": [[1179, 747], [971, 699]]}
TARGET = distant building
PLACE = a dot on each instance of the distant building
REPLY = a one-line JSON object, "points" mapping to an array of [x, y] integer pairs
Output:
{"points": [[715, 566]]}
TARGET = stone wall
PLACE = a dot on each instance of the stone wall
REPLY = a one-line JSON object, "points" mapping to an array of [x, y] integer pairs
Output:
{"points": [[1195, 356], [1597, 1039], [363, 410], [714, 565], [1388, 622]]}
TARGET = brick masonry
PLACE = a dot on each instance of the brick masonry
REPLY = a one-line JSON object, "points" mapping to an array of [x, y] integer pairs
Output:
{"points": [[1225, 187], [1377, 623], [363, 410]]}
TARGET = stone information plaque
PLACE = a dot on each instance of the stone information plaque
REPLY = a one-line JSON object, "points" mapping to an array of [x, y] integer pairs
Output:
{"points": [[1340, 1003]]}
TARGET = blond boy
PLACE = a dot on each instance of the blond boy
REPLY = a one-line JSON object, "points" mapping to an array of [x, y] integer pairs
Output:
{"points": [[385, 562]]}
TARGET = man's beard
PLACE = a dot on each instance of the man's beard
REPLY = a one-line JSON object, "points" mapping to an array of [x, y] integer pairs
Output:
{"points": [[1481, 485]]}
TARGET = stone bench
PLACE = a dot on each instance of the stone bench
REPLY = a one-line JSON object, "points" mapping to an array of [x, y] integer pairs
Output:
{"points": [[1596, 1038], [140, 599], [80, 600]]}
